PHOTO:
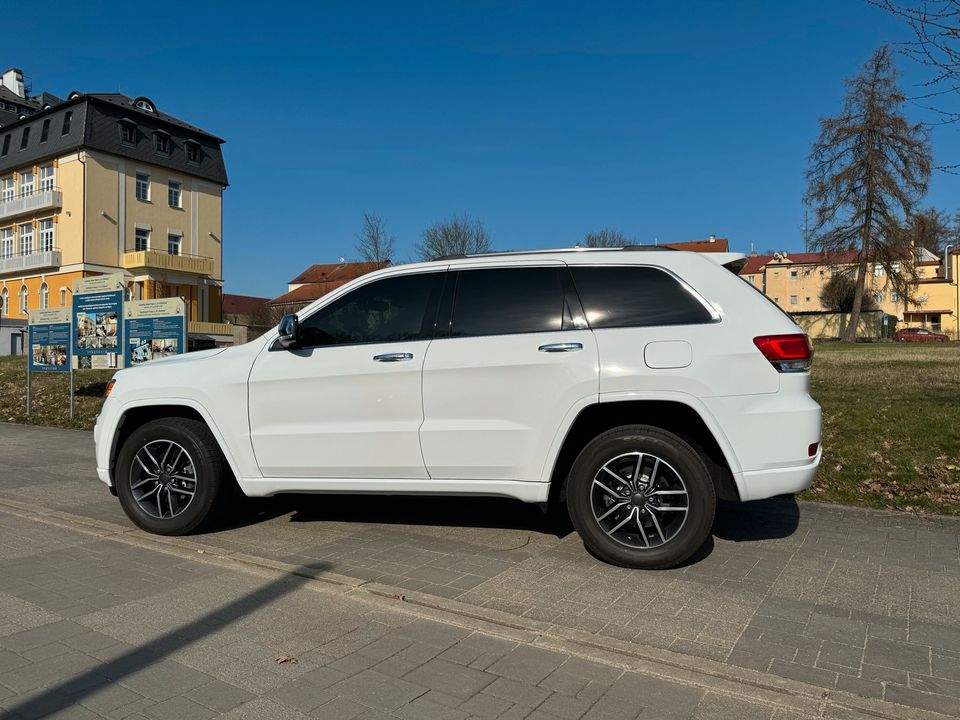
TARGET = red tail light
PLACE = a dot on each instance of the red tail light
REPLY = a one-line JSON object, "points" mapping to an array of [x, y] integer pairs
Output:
{"points": [[787, 353]]}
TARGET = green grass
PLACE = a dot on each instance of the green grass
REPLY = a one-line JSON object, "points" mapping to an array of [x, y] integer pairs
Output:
{"points": [[891, 422], [891, 425]]}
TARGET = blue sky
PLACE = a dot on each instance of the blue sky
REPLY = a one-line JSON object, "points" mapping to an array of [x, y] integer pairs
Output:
{"points": [[667, 120]]}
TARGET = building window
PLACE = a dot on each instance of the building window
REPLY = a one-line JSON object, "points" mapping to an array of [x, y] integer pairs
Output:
{"points": [[878, 297], [26, 239], [67, 117], [44, 297], [895, 267], [7, 189], [173, 194], [141, 240], [128, 133], [878, 270], [193, 152], [47, 235], [45, 130], [48, 177], [63, 297], [6, 242], [25, 138], [23, 299], [27, 182], [793, 274], [161, 143], [4, 302], [6, 145], [143, 187], [793, 299], [173, 243], [894, 296]]}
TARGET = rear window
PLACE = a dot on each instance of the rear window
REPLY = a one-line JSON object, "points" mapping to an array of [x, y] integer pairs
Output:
{"points": [[629, 296], [503, 301]]}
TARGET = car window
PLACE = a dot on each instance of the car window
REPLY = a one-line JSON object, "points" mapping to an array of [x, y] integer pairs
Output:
{"points": [[631, 296], [503, 301], [390, 310]]}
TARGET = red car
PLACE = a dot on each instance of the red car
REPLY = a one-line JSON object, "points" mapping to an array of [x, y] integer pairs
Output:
{"points": [[918, 335]]}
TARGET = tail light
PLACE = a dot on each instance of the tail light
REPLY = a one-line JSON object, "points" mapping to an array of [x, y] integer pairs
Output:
{"points": [[787, 353]]}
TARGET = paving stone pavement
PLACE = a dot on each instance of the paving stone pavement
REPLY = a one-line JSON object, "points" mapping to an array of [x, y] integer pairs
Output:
{"points": [[861, 601]]}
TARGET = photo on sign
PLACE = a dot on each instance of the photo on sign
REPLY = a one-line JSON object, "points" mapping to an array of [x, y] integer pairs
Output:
{"points": [[85, 362], [85, 329], [140, 351], [106, 326], [49, 355], [164, 348]]}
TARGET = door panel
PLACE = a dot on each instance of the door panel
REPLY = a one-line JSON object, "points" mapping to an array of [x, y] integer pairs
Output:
{"points": [[335, 412], [493, 405]]}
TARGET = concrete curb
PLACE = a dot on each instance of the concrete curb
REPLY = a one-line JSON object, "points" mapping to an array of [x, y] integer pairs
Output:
{"points": [[806, 699]]}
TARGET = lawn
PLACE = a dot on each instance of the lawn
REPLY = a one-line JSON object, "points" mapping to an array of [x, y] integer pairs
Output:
{"points": [[891, 425]]}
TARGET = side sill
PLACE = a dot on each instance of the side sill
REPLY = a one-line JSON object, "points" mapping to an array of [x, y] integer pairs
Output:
{"points": [[531, 492]]}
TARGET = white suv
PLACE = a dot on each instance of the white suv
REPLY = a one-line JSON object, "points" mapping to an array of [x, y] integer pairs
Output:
{"points": [[636, 386]]}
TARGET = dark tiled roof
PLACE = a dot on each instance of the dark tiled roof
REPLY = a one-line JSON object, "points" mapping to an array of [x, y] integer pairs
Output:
{"points": [[242, 304], [716, 245], [94, 125]]}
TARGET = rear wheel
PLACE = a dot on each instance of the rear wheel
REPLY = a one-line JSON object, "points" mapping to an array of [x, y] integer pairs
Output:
{"points": [[170, 475], [641, 497]]}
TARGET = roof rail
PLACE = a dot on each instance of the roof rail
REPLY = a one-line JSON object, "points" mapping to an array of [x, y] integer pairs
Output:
{"points": [[630, 248]]}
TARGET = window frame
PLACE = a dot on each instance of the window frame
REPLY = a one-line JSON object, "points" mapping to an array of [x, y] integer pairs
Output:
{"points": [[21, 238], [5, 149], [25, 138], [42, 182], [8, 189], [179, 237], [24, 296], [33, 183], [179, 191], [192, 146], [46, 233], [137, 238], [137, 185], [8, 242], [428, 323], [161, 148], [44, 293], [67, 121], [4, 302], [125, 127], [45, 130]]}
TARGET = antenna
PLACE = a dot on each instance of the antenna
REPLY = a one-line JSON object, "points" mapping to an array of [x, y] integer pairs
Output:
{"points": [[806, 232]]}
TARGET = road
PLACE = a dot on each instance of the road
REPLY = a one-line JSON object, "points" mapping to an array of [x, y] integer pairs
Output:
{"points": [[792, 610]]}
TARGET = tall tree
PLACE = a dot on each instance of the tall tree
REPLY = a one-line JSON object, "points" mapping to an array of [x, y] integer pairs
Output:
{"points": [[605, 238], [459, 235], [839, 295], [868, 168], [374, 243]]}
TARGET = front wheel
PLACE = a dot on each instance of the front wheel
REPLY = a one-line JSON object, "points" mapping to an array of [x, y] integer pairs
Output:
{"points": [[169, 475], [641, 497]]}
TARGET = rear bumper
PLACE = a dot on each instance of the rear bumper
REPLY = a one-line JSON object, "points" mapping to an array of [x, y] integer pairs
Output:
{"points": [[761, 484]]}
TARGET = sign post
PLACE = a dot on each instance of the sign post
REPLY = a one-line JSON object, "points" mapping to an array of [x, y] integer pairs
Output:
{"points": [[96, 319], [48, 347], [154, 329]]}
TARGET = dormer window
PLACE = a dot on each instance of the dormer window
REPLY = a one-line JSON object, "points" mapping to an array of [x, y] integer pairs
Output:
{"points": [[161, 143], [45, 130], [67, 117], [128, 132], [144, 104], [25, 138], [193, 151]]}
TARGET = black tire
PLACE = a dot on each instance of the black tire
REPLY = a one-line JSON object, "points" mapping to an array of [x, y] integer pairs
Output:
{"points": [[679, 467], [209, 474]]}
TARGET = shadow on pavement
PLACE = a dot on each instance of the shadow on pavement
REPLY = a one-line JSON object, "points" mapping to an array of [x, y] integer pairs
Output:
{"points": [[59, 697], [771, 519]]}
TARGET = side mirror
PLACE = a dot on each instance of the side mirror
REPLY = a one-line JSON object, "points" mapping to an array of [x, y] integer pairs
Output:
{"points": [[289, 332]]}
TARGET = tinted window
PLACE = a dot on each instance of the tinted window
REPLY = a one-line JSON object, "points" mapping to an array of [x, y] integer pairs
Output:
{"points": [[390, 310], [508, 300], [635, 296]]}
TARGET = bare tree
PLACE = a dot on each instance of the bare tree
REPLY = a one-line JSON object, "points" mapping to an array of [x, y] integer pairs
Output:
{"points": [[374, 243], [839, 294], [605, 238], [460, 235], [868, 168], [932, 229]]}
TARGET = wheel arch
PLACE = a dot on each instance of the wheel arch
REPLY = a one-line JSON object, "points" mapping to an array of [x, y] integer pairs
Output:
{"points": [[136, 415], [674, 415]]}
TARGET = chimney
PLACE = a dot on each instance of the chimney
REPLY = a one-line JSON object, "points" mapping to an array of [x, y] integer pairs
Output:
{"points": [[12, 79], [712, 238]]}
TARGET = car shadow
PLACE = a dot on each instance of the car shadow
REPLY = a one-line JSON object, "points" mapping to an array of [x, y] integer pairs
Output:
{"points": [[771, 519]]}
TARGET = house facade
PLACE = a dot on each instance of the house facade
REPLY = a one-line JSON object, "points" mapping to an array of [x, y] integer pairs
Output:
{"points": [[105, 183]]}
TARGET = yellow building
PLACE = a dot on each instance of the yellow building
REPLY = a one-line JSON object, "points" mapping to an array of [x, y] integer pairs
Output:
{"points": [[794, 281], [100, 183]]}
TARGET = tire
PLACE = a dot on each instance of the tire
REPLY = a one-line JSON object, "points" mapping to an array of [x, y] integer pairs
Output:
{"points": [[165, 506], [672, 473]]}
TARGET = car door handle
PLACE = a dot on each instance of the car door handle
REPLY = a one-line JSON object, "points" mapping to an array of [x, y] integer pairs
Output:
{"points": [[561, 347], [393, 357]]}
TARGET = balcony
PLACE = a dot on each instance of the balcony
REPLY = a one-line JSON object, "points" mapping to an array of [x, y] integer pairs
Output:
{"points": [[29, 203], [155, 260], [42, 260]]}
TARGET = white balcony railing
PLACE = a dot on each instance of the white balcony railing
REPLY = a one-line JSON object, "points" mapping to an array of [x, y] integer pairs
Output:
{"points": [[31, 203], [33, 261]]}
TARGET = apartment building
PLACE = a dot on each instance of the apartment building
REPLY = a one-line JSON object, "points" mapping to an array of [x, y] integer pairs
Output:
{"points": [[103, 183], [795, 280]]}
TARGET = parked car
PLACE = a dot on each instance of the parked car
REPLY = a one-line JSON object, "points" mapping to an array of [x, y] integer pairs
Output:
{"points": [[918, 335], [633, 386]]}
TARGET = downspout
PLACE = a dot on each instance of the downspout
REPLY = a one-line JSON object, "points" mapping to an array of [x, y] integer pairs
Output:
{"points": [[83, 230]]}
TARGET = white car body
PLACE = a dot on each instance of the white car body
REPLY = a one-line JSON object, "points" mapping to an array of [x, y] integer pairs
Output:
{"points": [[486, 415]]}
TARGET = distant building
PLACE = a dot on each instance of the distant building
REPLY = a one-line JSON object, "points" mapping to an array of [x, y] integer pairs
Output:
{"points": [[248, 312], [318, 280], [711, 244], [104, 183]]}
